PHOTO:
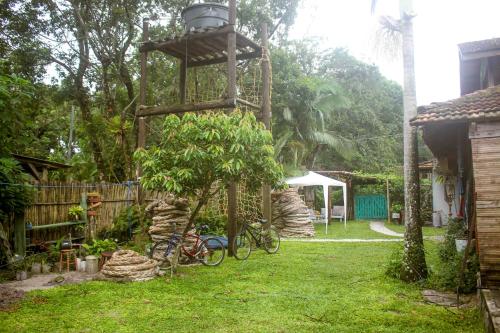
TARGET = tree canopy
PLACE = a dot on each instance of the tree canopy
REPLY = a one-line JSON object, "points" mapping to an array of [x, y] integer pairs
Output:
{"points": [[330, 110]]}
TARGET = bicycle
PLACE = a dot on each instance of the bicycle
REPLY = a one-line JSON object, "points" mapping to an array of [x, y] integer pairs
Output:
{"points": [[262, 236], [209, 251]]}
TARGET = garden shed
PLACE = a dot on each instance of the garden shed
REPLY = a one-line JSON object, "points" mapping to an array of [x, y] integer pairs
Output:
{"points": [[315, 179]]}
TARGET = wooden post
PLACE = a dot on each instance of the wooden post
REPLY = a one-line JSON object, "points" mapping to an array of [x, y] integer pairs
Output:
{"points": [[182, 81], [19, 235], [141, 132], [141, 135], [266, 113], [350, 199], [388, 201], [329, 205], [232, 204]]}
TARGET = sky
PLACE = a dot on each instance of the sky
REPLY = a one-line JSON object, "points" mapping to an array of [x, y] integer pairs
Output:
{"points": [[439, 25]]}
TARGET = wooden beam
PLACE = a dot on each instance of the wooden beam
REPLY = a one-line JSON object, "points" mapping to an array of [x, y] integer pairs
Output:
{"points": [[480, 55], [35, 172], [141, 134], [247, 103], [182, 81], [57, 225], [19, 235], [153, 46], [220, 60], [266, 113], [145, 111], [232, 203], [141, 124]]}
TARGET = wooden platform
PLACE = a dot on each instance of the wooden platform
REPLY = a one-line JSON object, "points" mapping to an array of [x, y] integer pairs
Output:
{"points": [[205, 47]]}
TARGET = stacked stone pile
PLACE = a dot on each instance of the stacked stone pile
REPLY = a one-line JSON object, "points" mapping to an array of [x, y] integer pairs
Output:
{"points": [[291, 215], [128, 265], [169, 215]]}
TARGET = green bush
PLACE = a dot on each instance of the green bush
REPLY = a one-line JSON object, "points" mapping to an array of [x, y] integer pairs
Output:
{"points": [[139, 223], [393, 267], [450, 262], [99, 246], [216, 223]]}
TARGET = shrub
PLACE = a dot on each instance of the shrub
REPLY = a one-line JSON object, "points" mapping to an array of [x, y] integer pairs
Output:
{"points": [[216, 223], [99, 246], [139, 223], [393, 267], [450, 262]]}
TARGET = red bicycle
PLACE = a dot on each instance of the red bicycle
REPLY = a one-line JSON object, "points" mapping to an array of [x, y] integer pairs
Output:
{"points": [[209, 251]]}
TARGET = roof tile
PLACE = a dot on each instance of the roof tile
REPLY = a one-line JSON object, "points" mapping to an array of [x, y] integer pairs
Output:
{"points": [[479, 105]]}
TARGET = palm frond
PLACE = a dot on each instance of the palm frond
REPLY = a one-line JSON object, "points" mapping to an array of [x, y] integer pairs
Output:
{"points": [[281, 142], [287, 114], [388, 38], [340, 144]]}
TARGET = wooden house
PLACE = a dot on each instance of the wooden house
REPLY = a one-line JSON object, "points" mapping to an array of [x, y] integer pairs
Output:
{"points": [[464, 136]]}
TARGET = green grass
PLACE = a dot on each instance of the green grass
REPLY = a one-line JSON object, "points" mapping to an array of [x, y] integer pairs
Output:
{"points": [[306, 287], [353, 230], [427, 230]]}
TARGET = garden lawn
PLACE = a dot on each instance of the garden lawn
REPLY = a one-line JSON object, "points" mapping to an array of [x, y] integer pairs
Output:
{"points": [[353, 230], [426, 230], [306, 287]]}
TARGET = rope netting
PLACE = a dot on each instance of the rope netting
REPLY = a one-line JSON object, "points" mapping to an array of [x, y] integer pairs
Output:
{"points": [[249, 204], [207, 83]]}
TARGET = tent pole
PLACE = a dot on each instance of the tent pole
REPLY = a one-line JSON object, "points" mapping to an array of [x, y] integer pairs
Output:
{"points": [[325, 197], [344, 189]]}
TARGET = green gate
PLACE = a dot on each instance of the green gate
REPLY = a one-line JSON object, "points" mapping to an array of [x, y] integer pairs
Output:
{"points": [[370, 207]]}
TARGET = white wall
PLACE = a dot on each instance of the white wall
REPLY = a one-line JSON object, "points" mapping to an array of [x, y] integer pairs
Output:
{"points": [[439, 203]]}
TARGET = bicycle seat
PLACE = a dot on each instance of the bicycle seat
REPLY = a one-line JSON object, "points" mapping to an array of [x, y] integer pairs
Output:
{"points": [[262, 221], [203, 227]]}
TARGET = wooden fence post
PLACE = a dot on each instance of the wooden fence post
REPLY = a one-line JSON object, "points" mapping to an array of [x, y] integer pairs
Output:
{"points": [[232, 203]]}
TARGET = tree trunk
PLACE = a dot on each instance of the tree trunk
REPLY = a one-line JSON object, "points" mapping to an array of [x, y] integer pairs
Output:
{"points": [[413, 266]]}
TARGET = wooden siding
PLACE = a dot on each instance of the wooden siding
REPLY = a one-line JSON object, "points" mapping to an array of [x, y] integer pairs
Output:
{"points": [[485, 140]]}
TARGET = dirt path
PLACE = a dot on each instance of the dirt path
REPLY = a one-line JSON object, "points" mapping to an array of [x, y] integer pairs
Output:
{"points": [[346, 240], [46, 281], [379, 227]]}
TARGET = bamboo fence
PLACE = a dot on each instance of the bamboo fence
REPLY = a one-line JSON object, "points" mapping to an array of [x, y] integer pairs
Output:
{"points": [[52, 201]]}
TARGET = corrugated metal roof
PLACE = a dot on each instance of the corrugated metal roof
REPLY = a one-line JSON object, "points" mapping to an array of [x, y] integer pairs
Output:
{"points": [[479, 105]]}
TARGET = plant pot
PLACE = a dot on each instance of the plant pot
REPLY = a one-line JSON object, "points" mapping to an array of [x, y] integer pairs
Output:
{"points": [[82, 266], [21, 275], [436, 219], [460, 244], [46, 268], [91, 265], [36, 268]]}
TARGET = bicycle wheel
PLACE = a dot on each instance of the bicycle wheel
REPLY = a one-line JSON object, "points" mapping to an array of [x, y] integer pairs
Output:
{"points": [[161, 250], [211, 252], [271, 240], [242, 246]]}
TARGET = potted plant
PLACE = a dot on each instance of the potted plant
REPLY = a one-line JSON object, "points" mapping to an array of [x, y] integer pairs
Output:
{"points": [[94, 251], [75, 213], [20, 266], [45, 264], [36, 266], [397, 212], [461, 237]]}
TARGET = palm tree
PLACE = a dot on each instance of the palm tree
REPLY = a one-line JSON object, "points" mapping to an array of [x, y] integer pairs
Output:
{"points": [[307, 133], [413, 266]]}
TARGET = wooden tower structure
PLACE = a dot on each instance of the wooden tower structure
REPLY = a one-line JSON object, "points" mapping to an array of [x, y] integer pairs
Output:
{"points": [[205, 48]]}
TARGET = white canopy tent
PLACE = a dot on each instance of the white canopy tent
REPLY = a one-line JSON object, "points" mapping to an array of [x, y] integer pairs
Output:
{"points": [[315, 179]]}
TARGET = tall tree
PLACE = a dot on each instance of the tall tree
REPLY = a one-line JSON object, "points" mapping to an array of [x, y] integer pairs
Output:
{"points": [[413, 266]]}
